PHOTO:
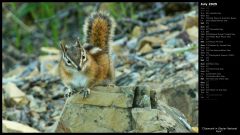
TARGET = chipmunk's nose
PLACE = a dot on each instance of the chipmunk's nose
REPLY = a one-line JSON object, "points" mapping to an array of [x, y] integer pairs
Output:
{"points": [[78, 68]]}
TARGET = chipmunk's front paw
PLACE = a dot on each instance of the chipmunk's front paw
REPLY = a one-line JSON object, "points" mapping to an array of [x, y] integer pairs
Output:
{"points": [[70, 92], [86, 92]]}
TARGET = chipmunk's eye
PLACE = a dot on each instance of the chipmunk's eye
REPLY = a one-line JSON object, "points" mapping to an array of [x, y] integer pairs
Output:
{"points": [[68, 62], [84, 57]]}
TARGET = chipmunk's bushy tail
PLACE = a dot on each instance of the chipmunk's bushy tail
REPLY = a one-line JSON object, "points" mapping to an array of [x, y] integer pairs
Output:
{"points": [[99, 29]]}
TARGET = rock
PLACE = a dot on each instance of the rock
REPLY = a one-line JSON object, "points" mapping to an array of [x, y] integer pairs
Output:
{"points": [[149, 56], [119, 42], [183, 91], [97, 97], [172, 8], [151, 120], [51, 129], [136, 31], [15, 127], [130, 79], [191, 57], [190, 21], [145, 49], [162, 57], [54, 71], [132, 44], [118, 49], [195, 129], [154, 42], [172, 35], [126, 71], [3, 104], [42, 124], [48, 58], [36, 104], [33, 74], [15, 94], [159, 26], [185, 37], [50, 50], [193, 34], [118, 46], [174, 43], [15, 72], [47, 67], [13, 115], [94, 119], [118, 73], [99, 114], [48, 62], [142, 97], [38, 91], [176, 115]]}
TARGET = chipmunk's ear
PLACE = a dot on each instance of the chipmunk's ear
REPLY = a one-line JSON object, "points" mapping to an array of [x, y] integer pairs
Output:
{"points": [[62, 46], [78, 43]]}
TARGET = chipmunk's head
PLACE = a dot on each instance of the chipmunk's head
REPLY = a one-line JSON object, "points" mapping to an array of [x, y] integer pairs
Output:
{"points": [[74, 56]]}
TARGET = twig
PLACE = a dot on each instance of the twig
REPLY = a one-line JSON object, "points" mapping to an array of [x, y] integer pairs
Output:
{"points": [[60, 14], [17, 20], [137, 58], [26, 83], [176, 27], [180, 49], [173, 20], [97, 6], [120, 35], [13, 52], [150, 12]]}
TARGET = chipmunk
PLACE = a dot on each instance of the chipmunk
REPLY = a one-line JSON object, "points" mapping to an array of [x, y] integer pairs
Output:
{"points": [[83, 66]]}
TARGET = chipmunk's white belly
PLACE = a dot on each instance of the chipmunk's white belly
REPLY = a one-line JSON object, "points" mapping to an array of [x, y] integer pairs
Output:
{"points": [[79, 80]]}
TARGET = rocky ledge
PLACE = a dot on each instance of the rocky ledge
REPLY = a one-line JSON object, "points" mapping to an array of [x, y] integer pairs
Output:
{"points": [[120, 109]]}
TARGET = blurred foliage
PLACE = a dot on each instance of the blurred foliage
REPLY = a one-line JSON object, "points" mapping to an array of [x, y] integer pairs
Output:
{"points": [[28, 26]]}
